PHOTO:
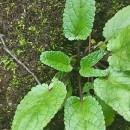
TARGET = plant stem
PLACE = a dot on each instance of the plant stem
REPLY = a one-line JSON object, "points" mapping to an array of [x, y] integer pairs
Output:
{"points": [[17, 60], [89, 44], [89, 50], [79, 78]]}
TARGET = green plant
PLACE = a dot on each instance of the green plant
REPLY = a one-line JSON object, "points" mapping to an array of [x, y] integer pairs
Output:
{"points": [[111, 86]]}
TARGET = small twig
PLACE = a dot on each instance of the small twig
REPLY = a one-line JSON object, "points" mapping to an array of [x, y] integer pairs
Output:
{"points": [[79, 78], [17, 60]]}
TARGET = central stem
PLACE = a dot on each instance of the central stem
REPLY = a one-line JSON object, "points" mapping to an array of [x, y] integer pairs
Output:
{"points": [[79, 78]]}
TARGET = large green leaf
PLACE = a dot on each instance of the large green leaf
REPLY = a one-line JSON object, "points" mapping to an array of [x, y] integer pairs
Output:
{"points": [[39, 106], [78, 18], [87, 62], [120, 47], [115, 91], [108, 112], [117, 23], [86, 116], [56, 59]]}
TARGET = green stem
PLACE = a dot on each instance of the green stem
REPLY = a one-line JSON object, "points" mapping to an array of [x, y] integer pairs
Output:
{"points": [[79, 78]]}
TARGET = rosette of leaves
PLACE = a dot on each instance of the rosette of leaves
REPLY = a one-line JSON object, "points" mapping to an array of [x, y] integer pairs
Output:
{"points": [[111, 86]]}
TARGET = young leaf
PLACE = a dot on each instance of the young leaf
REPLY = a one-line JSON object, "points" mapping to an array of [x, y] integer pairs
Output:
{"points": [[102, 45], [86, 116], [39, 106], [93, 42], [87, 62], [108, 112], [56, 59], [87, 87], [115, 91], [117, 23], [78, 18], [120, 46]]}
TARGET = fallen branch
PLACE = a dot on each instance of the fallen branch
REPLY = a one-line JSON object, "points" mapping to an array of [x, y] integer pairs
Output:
{"points": [[17, 60]]}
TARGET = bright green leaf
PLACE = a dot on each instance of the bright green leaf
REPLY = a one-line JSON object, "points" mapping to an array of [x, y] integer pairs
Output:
{"points": [[102, 45], [91, 72], [93, 41], [108, 112], [78, 19], [56, 59], [120, 47], [115, 91], [39, 106], [86, 116], [117, 23], [92, 59], [87, 62]]}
